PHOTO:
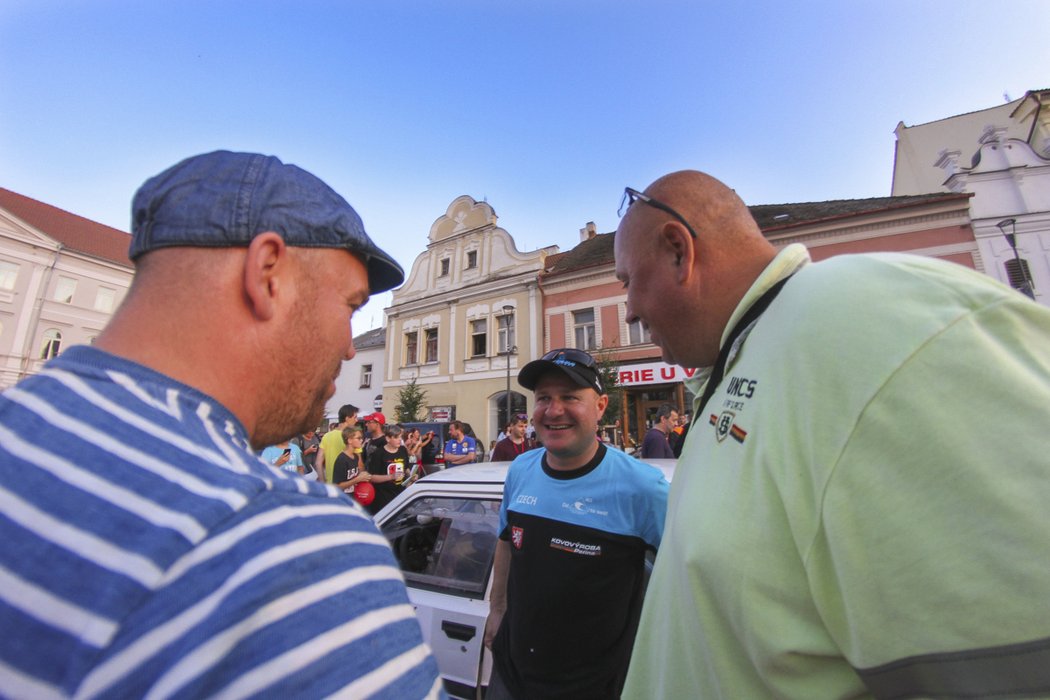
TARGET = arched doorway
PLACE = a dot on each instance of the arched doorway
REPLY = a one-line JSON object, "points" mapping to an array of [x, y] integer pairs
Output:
{"points": [[498, 415]]}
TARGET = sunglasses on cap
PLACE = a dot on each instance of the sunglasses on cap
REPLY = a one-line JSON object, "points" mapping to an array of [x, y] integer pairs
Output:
{"points": [[570, 357]]}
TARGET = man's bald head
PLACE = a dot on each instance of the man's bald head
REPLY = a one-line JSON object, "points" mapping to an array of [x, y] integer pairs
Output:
{"points": [[708, 202], [684, 288]]}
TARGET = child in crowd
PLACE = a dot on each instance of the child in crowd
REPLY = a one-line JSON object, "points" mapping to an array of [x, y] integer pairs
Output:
{"points": [[388, 465], [348, 470], [286, 456]]}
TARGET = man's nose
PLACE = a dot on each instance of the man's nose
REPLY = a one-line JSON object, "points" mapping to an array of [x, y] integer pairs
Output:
{"points": [[629, 315], [554, 407], [350, 350]]}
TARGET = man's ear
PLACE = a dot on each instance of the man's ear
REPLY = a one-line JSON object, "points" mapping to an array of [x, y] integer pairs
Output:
{"points": [[682, 246], [266, 259], [603, 403]]}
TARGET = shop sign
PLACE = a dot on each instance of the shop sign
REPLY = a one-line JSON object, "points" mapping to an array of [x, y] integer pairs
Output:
{"points": [[442, 414], [652, 373]]}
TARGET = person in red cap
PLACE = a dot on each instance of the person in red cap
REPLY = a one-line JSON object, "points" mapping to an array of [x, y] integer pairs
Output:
{"points": [[374, 437]]}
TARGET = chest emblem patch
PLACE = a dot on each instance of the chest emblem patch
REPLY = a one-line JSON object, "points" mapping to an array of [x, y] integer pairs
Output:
{"points": [[517, 536], [725, 427]]}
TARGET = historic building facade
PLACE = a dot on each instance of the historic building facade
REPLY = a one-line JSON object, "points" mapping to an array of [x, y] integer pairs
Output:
{"points": [[1000, 155], [61, 278], [465, 320]]}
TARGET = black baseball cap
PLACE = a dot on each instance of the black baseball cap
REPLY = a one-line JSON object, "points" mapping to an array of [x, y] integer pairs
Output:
{"points": [[577, 365]]}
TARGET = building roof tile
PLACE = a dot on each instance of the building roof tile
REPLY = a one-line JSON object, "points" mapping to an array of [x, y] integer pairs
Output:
{"points": [[72, 231], [375, 338], [771, 218]]}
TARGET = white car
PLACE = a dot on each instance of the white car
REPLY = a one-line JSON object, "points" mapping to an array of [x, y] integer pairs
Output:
{"points": [[443, 530]]}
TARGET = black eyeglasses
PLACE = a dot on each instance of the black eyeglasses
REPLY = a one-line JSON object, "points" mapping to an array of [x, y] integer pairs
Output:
{"points": [[631, 195], [572, 355]]}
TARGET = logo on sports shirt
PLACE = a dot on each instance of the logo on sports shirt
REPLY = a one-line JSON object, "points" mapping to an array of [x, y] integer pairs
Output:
{"points": [[517, 536], [587, 550], [584, 507], [724, 426]]}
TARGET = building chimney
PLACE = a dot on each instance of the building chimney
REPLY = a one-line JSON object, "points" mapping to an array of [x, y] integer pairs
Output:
{"points": [[588, 232]]}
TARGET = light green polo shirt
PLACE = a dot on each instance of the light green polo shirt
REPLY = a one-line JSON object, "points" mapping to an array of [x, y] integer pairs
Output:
{"points": [[867, 494]]}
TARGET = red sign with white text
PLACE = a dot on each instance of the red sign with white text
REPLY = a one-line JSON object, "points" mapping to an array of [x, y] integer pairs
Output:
{"points": [[652, 373]]}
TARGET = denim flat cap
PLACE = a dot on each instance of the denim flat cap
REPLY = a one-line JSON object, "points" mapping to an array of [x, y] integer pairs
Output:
{"points": [[225, 199]]}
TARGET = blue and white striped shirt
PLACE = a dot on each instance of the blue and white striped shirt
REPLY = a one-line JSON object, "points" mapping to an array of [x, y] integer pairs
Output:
{"points": [[148, 552]]}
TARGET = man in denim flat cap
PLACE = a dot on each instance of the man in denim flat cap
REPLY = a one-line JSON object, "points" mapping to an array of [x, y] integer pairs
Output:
{"points": [[156, 553]]}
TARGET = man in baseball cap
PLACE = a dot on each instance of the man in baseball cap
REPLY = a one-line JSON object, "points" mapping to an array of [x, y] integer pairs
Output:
{"points": [[577, 365], [150, 523], [576, 520], [377, 418]]}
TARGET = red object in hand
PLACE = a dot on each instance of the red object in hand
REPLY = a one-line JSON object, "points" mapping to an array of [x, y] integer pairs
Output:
{"points": [[365, 493]]}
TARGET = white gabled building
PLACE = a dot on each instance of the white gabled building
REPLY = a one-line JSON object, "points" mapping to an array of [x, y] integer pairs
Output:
{"points": [[360, 381], [61, 278], [1001, 156], [468, 316]]}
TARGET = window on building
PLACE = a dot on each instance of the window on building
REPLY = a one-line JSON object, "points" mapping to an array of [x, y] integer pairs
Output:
{"points": [[637, 333], [366, 376], [52, 344], [1019, 275], [432, 345], [8, 275], [472, 259], [583, 326], [506, 333], [444, 267], [105, 298], [412, 348], [479, 338], [64, 290]]}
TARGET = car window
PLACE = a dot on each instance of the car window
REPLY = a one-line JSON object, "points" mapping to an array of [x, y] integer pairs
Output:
{"points": [[445, 543]]}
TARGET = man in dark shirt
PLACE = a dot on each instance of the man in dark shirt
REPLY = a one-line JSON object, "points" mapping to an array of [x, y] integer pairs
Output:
{"points": [[576, 521], [655, 444], [515, 443]]}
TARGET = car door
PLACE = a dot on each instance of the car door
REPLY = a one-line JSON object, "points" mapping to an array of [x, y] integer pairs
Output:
{"points": [[445, 543]]}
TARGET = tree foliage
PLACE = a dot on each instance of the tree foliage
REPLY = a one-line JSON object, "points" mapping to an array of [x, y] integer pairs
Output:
{"points": [[410, 401], [607, 370]]}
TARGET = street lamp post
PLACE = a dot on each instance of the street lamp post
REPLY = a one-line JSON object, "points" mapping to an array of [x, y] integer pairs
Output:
{"points": [[507, 311], [1011, 239]]}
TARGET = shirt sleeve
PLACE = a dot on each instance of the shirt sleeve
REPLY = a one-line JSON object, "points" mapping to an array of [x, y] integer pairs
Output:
{"points": [[931, 563]]}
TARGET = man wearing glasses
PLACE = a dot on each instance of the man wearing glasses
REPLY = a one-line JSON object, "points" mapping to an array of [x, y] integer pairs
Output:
{"points": [[576, 521], [861, 506]]}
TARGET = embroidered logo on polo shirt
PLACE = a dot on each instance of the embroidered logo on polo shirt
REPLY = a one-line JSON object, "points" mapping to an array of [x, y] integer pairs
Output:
{"points": [[724, 426]]}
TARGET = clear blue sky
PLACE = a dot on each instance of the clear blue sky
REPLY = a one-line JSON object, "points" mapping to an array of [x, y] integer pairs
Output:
{"points": [[544, 108]]}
